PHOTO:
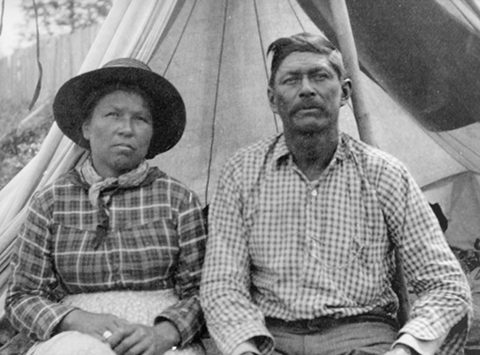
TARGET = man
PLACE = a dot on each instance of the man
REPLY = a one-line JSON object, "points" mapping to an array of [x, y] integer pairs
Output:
{"points": [[303, 227]]}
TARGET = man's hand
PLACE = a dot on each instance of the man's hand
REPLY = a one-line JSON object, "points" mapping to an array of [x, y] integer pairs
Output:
{"points": [[137, 339], [93, 324]]}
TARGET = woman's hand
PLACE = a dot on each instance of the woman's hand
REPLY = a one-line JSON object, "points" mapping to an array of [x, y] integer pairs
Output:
{"points": [[401, 349], [94, 324], [137, 339]]}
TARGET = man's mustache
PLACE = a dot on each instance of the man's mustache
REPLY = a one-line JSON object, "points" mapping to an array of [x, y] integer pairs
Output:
{"points": [[307, 106]]}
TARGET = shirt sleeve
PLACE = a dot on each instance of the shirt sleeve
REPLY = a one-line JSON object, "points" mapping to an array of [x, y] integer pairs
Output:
{"points": [[187, 314], [231, 316], [246, 347], [31, 302], [422, 347], [430, 267]]}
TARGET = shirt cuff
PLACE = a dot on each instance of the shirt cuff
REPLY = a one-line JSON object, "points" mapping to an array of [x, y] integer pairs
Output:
{"points": [[246, 346], [186, 316], [423, 347]]}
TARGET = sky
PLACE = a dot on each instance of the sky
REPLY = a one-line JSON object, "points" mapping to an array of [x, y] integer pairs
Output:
{"points": [[9, 36]]}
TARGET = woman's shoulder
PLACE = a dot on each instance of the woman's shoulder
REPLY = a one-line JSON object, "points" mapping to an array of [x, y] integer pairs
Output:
{"points": [[61, 189], [64, 181], [165, 184]]}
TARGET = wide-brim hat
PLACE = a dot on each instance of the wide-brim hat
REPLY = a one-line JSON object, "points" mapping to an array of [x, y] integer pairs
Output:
{"points": [[168, 108]]}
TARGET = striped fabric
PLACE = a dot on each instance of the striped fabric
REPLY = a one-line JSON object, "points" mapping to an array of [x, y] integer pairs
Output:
{"points": [[305, 249], [156, 241]]}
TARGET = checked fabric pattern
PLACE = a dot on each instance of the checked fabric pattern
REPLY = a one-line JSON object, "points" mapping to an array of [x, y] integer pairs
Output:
{"points": [[303, 249], [155, 241]]}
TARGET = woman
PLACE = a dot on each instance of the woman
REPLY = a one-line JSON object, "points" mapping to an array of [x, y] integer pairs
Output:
{"points": [[109, 258]]}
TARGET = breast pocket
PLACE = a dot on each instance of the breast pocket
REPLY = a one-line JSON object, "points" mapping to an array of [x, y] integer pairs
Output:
{"points": [[337, 248]]}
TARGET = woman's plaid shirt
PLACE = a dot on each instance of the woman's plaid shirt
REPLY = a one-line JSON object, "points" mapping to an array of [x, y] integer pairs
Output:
{"points": [[156, 240], [285, 247]]}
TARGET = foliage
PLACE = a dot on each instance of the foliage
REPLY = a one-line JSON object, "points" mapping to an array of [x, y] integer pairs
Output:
{"points": [[22, 139], [62, 16]]}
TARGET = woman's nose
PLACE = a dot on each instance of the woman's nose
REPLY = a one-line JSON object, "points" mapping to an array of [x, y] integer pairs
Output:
{"points": [[126, 124]]}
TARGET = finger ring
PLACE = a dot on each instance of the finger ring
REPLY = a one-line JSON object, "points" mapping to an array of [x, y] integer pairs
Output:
{"points": [[107, 334]]}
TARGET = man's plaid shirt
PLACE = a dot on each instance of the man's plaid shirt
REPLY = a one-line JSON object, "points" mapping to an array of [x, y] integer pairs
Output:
{"points": [[156, 240], [285, 247]]}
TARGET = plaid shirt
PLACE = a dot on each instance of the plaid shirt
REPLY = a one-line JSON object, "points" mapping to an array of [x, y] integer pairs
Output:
{"points": [[156, 240], [285, 247]]}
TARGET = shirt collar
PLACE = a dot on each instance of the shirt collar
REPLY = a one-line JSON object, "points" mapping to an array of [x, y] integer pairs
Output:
{"points": [[281, 151]]}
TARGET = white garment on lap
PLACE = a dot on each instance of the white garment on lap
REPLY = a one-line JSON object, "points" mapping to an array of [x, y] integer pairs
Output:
{"points": [[135, 306], [71, 343]]}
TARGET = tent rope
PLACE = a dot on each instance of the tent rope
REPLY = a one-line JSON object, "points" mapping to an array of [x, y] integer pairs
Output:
{"points": [[1, 16], [212, 143], [36, 94], [264, 56], [180, 39]]}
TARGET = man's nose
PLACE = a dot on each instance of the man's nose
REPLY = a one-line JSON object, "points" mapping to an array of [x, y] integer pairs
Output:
{"points": [[306, 88]]}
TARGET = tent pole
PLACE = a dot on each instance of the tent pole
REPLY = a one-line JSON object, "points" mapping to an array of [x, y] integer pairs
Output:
{"points": [[346, 42]]}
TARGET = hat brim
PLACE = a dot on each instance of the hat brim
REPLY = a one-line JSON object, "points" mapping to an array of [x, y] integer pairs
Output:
{"points": [[168, 111]]}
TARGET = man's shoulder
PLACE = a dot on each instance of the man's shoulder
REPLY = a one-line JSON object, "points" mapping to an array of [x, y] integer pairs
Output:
{"points": [[247, 163], [256, 150], [370, 154], [376, 163]]}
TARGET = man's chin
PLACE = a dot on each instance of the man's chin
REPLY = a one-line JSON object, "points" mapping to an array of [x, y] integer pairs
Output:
{"points": [[313, 122], [313, 126]]}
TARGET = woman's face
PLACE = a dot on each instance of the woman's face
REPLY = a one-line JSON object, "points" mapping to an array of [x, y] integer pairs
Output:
{"points": [[119, 132]]}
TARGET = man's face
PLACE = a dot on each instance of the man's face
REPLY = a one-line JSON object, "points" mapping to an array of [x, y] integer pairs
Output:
{"points": [[308, 94], [119, 133]]}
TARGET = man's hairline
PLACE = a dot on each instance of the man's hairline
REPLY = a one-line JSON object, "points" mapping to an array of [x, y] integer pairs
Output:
{"points": [[271, 80]]}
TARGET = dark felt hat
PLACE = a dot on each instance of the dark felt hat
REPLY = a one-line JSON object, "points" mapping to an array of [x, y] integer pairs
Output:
{"points": [[168, 110]]}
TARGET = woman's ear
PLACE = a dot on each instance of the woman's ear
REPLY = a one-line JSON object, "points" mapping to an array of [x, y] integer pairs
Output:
{"points": [[86, 129], [346, 91]]}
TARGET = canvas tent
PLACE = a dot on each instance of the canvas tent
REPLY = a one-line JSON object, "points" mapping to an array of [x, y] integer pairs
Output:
{"points": [[213, 51], [424, 55]]}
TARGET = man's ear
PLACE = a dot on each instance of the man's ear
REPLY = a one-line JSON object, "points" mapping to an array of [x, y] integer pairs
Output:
{"points": [[346, 91], [272, 100]]}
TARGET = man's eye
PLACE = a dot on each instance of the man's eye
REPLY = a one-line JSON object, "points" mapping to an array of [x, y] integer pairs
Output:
{"points": [[291, 80], [112, 114], [319, 76]]}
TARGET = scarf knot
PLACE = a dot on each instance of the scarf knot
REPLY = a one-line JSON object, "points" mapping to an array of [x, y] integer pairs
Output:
{"points": [[101, 190]]}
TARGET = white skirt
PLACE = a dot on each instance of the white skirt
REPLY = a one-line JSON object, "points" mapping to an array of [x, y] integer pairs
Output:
{"points": [[134, 306]]}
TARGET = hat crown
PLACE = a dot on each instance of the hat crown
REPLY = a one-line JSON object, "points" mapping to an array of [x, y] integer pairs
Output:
{"points": [[128, 63], [167, 107]]}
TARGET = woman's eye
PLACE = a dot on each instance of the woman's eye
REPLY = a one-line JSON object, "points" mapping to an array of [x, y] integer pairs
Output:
{"points": [[143, 119]]}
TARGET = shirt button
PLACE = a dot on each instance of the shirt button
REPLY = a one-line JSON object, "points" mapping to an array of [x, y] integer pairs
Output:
{"points": [[314, 193]]}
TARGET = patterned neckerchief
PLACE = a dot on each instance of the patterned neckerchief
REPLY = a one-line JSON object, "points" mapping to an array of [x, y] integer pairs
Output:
{"points": [[100, 190]]}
